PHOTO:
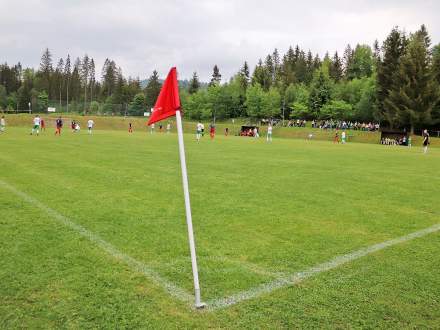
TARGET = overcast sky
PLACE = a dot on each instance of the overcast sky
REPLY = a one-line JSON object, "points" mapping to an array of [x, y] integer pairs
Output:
{"points": [[194, 35]]}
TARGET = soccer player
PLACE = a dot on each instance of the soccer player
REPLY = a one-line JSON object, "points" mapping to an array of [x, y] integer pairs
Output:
{"points": [[425, 141], [151, 128], [168, 128], [212, 131], [77, 127], [130, 128], [409, 141], [90, 124], [2, 124], [59, 125], [255, 133], [336, 138], [343, 137], [199, 131], [269, 133], [43, 125], [36, 128], [226, 131]]}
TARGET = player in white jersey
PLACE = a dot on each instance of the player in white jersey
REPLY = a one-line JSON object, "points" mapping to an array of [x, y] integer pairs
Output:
{"points": [[199, 131], [269, 133], [168, 128], [2, 124], [37, 123], [343, 137], [255, 132], [90, 124]]}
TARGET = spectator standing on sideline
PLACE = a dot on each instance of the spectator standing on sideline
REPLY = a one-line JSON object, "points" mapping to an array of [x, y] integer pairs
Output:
{"points": [[151, 128], [226, 131], [90, 124], [168, 128], [425, 141], [36, 128], [59, 125], [409, 141], [2, 124]]}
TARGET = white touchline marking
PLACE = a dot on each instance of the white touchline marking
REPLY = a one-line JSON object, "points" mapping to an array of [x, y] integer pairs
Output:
{"points": [[296, 278], [136, 265]]}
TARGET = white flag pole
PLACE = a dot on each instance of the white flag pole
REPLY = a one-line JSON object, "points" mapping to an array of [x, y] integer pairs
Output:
{"points": [[192, 246]]}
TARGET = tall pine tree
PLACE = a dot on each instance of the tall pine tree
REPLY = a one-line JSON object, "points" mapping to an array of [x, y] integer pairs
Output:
{"points": [[336, 68], [348, 60], [84, 72], [92, 77], [67, 77], [216, 76], [243, 76], [392, 50], [45, 71], [414, 101], [152, 89], [194, 84], [59, 78]]}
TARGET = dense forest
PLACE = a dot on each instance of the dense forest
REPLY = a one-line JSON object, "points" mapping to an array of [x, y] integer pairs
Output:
{"points": [[396, 83]]}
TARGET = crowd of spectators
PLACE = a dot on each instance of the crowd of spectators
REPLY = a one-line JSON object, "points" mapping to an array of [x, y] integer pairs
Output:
{"points": [[357, 126], [396, 141], [251, 132], [327, 124], [297, 123]]}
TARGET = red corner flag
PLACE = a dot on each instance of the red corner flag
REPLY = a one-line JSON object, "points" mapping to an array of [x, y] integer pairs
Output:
{"points": [[168, 101]]}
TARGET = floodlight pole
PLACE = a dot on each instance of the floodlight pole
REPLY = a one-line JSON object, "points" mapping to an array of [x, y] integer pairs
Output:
{"points": [[192, 246]]}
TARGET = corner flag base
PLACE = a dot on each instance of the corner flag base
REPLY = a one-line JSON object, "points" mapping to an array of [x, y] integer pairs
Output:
{"points": [[200, 305]]}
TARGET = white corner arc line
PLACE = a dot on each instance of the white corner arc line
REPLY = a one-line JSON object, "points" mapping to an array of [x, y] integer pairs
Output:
{"points": [[296, 278], [134, 264]]}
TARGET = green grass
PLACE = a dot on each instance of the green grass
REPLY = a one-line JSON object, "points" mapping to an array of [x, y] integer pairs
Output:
{"points": [[258, 209], [121, 123]]}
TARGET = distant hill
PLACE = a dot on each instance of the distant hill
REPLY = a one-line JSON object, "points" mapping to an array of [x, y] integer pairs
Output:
{"points": [[182, 83]]}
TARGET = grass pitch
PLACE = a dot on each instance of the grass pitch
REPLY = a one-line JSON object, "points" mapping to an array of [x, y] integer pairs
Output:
{"points": [[260, 211]]}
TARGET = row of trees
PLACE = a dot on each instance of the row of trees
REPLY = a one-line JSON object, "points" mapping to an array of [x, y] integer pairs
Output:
{"points": [[73, 85], [396, 83]]}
